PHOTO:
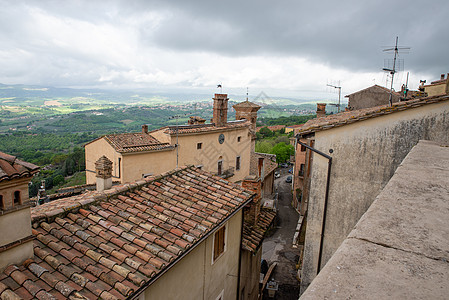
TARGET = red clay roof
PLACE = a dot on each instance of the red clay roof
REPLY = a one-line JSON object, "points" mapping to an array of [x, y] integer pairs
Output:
{"points": [[245, 104], [376, 87], [348, 117], [11, 167], [135, 142], [200, 128], [253, 235], [107, 245]]}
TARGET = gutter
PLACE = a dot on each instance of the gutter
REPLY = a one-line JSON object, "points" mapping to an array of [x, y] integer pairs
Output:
{"points": [[140, 290], [326, 197], [240, 257]]}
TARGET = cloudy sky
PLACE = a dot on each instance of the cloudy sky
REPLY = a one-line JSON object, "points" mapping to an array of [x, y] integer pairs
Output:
{"points": [[286, 47]]}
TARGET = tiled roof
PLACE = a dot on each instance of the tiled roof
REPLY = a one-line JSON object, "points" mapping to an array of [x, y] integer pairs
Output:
{"points": [[253, 235], [135, 142], [189, 129], [272, 128], [348, 117], [270, 163], [11, 167], [376, 87], [245, 104], [108, 245]]}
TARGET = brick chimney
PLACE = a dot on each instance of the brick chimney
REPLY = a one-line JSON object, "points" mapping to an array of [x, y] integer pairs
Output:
{"points": [[252, 212], [144, 128], [103, 168], [320, 110], [16, 239], [220, 116]]}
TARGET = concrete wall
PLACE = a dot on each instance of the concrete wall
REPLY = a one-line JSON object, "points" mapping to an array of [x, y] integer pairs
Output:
{"points": [[400, 247], [197, 277], [365, 156]]}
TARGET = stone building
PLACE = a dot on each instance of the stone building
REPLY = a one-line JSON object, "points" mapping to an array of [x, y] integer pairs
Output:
{"points": [[370, 97], [222, 147], [438, 87], [362, 149]]}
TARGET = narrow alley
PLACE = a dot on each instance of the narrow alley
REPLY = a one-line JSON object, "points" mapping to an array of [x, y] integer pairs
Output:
{"points": [[277, 246]]}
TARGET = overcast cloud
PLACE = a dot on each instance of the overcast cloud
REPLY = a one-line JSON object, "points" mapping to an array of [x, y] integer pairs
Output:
{"points": [[286, 47]]}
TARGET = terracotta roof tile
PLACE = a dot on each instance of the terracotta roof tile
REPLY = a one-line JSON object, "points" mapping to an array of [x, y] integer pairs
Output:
{"points": [[253, 234], [109, 246], [348, 117], [11, 167], [135, 142]]}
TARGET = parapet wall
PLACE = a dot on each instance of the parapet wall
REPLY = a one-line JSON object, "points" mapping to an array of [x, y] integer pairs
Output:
{"points": [[399, 249]]}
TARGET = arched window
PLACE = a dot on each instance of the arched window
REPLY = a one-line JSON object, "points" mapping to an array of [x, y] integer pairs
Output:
{"points": [[17, 200]]}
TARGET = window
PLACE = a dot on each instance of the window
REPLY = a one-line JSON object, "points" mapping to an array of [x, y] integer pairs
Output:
{"points": [[2, 205], [199, 146], [239, 138], [119, 168], [301, 170], [303, 148], [220, 167], [17, 200], [219, 242], [237, 163]]}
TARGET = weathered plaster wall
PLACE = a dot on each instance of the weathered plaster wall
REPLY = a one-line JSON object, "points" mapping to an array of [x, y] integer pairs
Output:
{"points": [[437, 89], [134, 165], [250, 275], [371, 97], [94, 151], [365, 156], [399, 249], [196, 277]]}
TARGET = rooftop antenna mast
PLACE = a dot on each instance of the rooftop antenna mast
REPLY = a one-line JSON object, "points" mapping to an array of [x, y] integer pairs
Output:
{"points": [[339, 95], [393, 70], [177, 117]]}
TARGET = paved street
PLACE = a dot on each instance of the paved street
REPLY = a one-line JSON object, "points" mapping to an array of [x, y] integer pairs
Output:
{"points": [[278, 246]]}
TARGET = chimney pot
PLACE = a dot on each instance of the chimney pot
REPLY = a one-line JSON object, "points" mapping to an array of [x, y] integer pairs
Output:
{"points": [[320, 110], [103, 168], [144, 128], [442, 76]]}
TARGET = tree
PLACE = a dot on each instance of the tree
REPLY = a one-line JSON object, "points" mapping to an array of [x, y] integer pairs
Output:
{"points": [[283, 152], [266, 132], [264, 147]]}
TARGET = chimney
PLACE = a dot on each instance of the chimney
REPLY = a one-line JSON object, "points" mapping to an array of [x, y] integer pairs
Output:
{"points": [[195, 120], [103, 168], [442, 76], [252, 211], [320, 110], [144, 128], [220, 116]]}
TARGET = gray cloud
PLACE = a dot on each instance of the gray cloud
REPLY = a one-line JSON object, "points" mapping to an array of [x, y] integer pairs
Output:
{"points": [[346, 35]]}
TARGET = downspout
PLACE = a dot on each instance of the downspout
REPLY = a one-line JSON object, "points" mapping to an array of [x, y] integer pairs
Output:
{"points": [[326, 197], [240, 258]]}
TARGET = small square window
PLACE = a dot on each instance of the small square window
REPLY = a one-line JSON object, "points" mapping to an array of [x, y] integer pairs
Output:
{"points": [[303, 148], [17, 199], [199, 146], [239, 139]]}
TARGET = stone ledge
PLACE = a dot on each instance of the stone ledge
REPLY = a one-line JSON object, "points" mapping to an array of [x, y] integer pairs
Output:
{"points": [[399, 249]]}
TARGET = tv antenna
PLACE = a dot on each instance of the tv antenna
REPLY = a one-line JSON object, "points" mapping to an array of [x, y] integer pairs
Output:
{"points": [[177, 117], [393, 70], [339, 96]]}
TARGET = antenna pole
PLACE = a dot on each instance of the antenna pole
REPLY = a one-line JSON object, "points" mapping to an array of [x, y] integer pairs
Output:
{"points": [[339, 95]]}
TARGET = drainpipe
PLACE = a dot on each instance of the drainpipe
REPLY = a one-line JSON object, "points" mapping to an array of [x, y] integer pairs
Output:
{"points": [[240, 257], [326, 197]]}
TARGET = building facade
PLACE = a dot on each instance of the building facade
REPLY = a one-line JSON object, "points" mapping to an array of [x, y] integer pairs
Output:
{"points": [[365, 147], [221, 147]]}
